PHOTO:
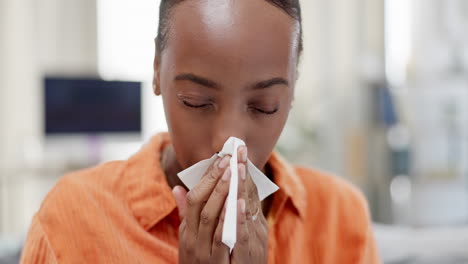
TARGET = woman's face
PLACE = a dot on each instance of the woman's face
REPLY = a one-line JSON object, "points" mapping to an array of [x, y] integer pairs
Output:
{"points": [[228, 69]]}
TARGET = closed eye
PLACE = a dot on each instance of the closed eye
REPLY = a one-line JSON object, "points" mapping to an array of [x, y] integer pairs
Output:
{"points": [[194, 105], [267, 112]]}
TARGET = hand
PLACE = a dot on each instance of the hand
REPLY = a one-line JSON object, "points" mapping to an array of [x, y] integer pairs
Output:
{"points": [[202, 218], [252, 227], [200, 232]]}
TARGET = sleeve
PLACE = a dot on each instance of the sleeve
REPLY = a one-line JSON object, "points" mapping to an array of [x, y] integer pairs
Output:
{"points": [[370, 254], [359, 213], [37, 248]]}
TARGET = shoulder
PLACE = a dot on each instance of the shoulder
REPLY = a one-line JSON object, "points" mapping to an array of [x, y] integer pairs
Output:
{"points": [[319, 193], [80, 204], [336, 203], [36, 248], [82, 192], [340, 216], [103, 177], [332, 190]]}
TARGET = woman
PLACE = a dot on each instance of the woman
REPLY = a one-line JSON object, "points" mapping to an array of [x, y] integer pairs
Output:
{"points": [[223, 68]]}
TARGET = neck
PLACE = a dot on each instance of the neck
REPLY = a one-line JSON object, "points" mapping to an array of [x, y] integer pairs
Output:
{"points": [[171, 167]]}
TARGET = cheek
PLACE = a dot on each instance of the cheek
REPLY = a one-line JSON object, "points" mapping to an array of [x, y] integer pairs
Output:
{"points": [[190, 137], [262, 140]]}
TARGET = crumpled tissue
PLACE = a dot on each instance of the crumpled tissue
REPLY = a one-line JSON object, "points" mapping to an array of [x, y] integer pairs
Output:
{"points": [[192, 175]]}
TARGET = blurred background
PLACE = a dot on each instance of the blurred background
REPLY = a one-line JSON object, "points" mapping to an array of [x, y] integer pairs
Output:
{"points": [[382, 101]]}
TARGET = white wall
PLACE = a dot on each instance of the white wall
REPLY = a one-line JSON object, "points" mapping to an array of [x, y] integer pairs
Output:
{"points": [[2, 74], [19, 81], [126, 37], [343, 54], [37, 38], [66, 36]]}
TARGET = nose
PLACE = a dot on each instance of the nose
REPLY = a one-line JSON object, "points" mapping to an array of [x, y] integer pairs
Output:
{"points": [[224, 128]]}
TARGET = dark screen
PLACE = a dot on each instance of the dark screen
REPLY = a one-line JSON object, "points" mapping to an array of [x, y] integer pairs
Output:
{"points": [[91, 106]]}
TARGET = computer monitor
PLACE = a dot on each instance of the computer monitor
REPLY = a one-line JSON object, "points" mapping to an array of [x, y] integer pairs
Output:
{"points": [[91, 106]]}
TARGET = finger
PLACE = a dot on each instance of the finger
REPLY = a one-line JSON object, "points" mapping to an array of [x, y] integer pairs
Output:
{"points": [[255, 243], [254, 208], [182, 227], [258, 241], [254, 205], [251, 187], [257, 228], [211, 212], [242, 154], [219, 251], [197, 197], [243, 191], [241, 252], [180, 195], [253, 200], [241, 188], [188, 247], [248, 185]]}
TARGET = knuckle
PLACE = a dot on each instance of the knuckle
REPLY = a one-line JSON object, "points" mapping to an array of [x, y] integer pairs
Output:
{"points": [[213, 174], [254, 252], [205, 217], [253, 191], [217, 240], [190, 238], [219, 190], [190, 251], [202, 258], [244, 238], [191, 198]]}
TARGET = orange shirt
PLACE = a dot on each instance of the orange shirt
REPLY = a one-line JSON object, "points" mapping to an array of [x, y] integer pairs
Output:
{"points": [[124, 212]]}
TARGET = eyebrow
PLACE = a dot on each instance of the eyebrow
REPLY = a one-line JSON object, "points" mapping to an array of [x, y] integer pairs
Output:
{"points": [[197, 79], [269, 83], [212, 84]]}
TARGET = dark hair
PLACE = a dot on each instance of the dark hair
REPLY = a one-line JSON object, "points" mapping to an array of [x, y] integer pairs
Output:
{"points": [[291, 7]]}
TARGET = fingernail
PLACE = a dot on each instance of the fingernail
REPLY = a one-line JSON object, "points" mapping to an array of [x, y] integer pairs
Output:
{"points": [[224, 162], [216, 163], [240, 154], [242, 171], [226, 174], [242, 203], [176, 193], [244, 154]]}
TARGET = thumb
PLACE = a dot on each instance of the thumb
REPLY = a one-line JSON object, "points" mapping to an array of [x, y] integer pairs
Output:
{"points": [[180, 195]]}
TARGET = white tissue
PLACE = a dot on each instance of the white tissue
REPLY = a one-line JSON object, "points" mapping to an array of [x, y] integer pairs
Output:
{"points": [[192, 175]]}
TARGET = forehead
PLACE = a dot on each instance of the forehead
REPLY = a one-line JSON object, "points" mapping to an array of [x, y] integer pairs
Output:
{"points": [[241, 35]]}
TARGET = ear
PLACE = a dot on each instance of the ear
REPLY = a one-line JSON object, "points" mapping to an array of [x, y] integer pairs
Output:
{"points": [[156, 75]]}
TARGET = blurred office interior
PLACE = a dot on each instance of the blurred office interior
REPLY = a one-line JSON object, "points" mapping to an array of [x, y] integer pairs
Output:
{"points": [[382, 100]]}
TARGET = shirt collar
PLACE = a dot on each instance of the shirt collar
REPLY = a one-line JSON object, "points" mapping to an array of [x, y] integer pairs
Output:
{"points": [[147, 191], [288, 180], [150, 197]]}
